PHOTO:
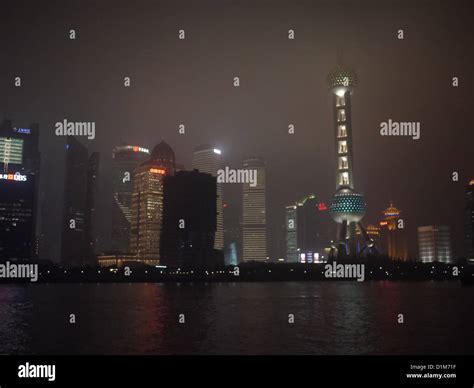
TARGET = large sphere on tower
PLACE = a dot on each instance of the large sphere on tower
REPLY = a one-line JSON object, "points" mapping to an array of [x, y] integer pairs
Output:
{"points": [[346, 205]]}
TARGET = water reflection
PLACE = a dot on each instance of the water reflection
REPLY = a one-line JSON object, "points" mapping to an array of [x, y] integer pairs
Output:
{"points": [[238, 318]]}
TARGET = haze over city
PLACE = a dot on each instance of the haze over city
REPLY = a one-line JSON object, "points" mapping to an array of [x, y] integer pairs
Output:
{"points": [[282, 82]]}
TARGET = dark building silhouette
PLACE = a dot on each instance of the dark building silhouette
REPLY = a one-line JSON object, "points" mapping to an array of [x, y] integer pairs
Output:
{"points": [[189, 221], [91, 193], [308, 231], [80, 186], [469, 222], [208, 159], [19, 182]]}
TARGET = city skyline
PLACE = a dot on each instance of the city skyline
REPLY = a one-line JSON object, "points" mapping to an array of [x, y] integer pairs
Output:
{"points": [[84, 163], [241, 121], [79, 164]]}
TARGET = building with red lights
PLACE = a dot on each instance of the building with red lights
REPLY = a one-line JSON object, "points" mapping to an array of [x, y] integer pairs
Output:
{"points": [[308, 231], [146, 216]]}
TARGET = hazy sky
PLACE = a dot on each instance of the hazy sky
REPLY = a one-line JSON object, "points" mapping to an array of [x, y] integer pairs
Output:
{"points": [[282, 82]]}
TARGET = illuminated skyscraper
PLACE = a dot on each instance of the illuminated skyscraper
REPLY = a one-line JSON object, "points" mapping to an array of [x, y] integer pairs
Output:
{"points": [[254, 224], [291, 222], [394, 233], [16, 215], [208, 160], [469, 222], [19, 179], [347, 207], [126, 159], [147, 202], [434, 243]]}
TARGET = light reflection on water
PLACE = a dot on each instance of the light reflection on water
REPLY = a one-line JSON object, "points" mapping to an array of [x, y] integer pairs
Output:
{"points": [[238, 318]]}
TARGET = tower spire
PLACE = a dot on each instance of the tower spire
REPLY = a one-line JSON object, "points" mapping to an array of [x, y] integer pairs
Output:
{"points": [[340, 56]]}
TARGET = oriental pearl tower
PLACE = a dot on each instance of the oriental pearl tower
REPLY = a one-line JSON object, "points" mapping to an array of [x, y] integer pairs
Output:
{"points": [[347, 207]]}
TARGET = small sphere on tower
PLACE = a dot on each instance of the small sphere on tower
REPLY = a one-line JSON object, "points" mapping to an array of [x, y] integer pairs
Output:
{"points": [[341, 80]]}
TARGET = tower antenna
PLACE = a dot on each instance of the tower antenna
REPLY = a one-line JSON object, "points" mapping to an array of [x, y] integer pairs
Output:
{"points": [[340, 56]]}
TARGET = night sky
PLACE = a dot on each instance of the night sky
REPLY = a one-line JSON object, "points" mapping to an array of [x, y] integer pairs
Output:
{"points": [[282, 82]]}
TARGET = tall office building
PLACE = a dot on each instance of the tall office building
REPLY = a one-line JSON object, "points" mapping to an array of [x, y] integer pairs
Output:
{"points": [[291, 222], [308, 228], [254, 227], [208, 159], [19, 180], [232, 233], [189, 221], [394, 236], [147, 202], [17, 208], [80, 187], [469, 222], [126, 158], [90, 215], [434, 244]]}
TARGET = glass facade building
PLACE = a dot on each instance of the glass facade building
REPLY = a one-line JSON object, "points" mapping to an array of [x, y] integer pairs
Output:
{"points": [[254, 227]]}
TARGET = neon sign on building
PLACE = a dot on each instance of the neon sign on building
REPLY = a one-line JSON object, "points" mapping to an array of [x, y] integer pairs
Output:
{"points": [[158, 171], [14, 177]]}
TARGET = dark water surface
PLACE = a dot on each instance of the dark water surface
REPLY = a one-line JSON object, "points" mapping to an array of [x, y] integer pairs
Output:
{"points": [[238, 318]]}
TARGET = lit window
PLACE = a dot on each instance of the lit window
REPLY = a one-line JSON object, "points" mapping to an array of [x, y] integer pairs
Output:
{"points": [[341, 115], [343, 147], [344, 179], [342, 131], [340, 101], [343, 163]]}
